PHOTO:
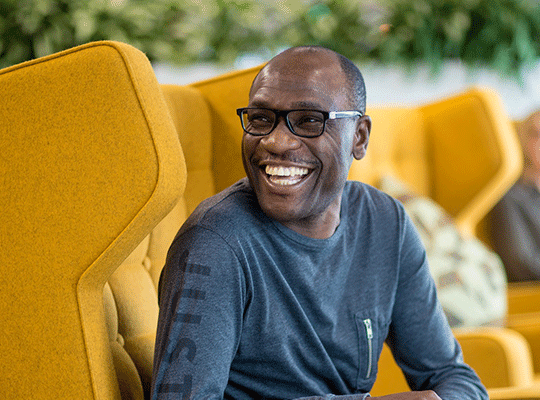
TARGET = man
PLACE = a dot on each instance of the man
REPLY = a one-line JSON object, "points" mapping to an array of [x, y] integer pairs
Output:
{"points": [[515, 220], [287, 284]]}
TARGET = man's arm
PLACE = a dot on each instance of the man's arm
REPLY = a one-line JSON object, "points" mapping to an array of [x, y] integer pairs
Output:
{"points": [[201, 303], [420, 338]]}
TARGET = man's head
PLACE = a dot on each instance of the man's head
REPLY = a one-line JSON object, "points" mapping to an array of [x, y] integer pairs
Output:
{"points": [[299, 180], [529, 135]]}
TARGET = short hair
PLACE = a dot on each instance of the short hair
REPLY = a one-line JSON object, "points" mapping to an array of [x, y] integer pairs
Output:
{"points": [[356, 91]]}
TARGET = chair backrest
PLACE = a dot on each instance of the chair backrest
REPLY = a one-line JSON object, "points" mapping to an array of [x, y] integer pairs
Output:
{"points": [[476, 156], [133, 286], [90, 162]]}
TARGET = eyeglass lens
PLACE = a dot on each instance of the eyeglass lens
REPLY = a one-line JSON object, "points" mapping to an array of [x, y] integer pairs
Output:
{"points": [[301, 122]]}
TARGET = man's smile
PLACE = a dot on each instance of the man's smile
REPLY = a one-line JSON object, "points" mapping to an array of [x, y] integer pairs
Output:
{"points": [[285, 176]]}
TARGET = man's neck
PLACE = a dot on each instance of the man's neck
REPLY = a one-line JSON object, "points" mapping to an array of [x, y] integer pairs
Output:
{"points": [[321, 229]]}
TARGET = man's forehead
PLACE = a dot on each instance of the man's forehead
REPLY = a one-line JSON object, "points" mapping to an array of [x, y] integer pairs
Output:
{"points": [[288, 95], [302, 84]]}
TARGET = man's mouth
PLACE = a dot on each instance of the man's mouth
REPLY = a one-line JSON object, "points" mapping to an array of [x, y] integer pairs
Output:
{"points": [[285, 176]]}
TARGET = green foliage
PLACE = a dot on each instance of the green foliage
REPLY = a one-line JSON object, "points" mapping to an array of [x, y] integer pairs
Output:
{"points": [[502, 34], [334, 24], [34, 28]]}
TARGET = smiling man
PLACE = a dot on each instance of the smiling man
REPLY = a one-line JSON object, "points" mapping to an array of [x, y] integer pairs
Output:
{"points": [[286, 284]]}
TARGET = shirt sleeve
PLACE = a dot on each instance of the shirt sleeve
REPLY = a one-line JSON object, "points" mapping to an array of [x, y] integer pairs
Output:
{"points": [[202, 294], [514, 240], [420, 338]]}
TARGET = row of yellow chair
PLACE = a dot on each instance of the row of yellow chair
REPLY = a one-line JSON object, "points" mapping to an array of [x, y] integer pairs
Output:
{"points": [[95, 156]]}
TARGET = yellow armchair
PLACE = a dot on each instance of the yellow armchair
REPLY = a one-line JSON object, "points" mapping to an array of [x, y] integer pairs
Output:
{"points": [[90, 162]]}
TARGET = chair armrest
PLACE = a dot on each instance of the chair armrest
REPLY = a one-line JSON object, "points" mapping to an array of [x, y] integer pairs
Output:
{"points": [[500, 356], [515, 393], [528, 325]]}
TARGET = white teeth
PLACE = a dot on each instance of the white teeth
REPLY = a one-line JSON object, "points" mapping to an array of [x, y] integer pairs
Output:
{"points": [[285, 171], [285, 181], [285, 176]]}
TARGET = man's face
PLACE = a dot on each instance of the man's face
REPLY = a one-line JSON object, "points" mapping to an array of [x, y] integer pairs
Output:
{"points": [[299, 181]]}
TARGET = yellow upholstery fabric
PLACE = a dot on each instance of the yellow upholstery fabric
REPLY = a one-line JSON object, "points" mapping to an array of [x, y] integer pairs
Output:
{"points": [[224, 94], [398, 146], [484, 348], [523, 298], [194, 123], [90, 163]]}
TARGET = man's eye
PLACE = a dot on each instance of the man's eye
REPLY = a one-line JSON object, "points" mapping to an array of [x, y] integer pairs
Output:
{"points": [[260, 118], [309, 120]]}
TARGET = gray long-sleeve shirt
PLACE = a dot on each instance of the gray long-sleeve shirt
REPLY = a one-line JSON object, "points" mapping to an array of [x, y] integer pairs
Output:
{"points": [[250, 309], [515, 229]]}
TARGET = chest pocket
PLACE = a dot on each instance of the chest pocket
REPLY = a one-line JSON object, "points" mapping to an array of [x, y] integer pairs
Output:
{"points": [[372, 330]]}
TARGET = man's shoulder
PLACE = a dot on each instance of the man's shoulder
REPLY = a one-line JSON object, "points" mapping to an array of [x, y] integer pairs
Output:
{"points": [[364, 197], [226, 211], [368, 209]]}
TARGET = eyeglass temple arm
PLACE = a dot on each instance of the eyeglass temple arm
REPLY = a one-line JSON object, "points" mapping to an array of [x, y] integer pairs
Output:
{"points": [[343, 114]]}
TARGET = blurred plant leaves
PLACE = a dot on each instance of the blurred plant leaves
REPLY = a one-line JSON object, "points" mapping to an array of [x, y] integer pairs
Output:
{"points": [[501, 34]]}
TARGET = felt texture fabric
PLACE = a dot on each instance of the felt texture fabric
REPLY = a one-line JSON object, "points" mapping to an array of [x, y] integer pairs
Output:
{"points": [[90, 163]]}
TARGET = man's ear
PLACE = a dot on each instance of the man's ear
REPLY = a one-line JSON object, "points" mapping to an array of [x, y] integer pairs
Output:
{"points": [[361, 137]]}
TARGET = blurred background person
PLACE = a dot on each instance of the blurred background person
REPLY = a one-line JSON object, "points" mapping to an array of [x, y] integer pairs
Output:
{"points": [[515, 221]]}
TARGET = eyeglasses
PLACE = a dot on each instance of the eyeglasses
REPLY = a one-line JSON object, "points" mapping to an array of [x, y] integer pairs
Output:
{"points": [[305, 123]]}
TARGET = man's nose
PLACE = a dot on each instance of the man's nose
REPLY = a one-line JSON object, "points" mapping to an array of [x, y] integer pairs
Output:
{"points": [[281, 139]]}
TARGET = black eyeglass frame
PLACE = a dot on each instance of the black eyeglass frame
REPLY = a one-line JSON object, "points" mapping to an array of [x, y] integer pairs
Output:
{"points": [[285, 114]]}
